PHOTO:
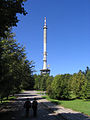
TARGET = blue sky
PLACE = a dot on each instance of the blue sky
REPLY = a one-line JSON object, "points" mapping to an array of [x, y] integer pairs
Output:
{"points": [[68, 34]]}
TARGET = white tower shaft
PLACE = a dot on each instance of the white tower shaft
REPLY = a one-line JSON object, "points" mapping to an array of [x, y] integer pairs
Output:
{"points": [[45, 45]]}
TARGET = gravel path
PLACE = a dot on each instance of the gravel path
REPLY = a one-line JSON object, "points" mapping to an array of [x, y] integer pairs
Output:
{"points": [[15, 110], [46, 110]]}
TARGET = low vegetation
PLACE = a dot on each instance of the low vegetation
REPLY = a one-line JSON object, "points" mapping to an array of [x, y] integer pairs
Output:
{"points": [[7, 100], [79, 105]]}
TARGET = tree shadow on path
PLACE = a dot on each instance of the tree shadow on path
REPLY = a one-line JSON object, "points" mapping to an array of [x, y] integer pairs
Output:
{"points": [[14, 110]]}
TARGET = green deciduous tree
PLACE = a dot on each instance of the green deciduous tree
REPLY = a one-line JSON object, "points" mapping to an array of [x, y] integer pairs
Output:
{"points": [[88, 84], [15, 69], [28, 80], [8, 14], [37, 79], [42, 82], [79, 83], [48, 82], [60, 87]]}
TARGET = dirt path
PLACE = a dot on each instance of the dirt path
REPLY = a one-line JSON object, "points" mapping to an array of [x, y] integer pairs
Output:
{"points": [[15, 111]]}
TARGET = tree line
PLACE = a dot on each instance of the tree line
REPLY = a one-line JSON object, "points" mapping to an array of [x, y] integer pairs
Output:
{"points": [[65, 86], [15, 69]]}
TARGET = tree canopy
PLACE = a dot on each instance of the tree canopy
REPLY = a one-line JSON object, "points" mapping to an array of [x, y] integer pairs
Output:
{"points": [[8, 14], [16, 70], [65, 86]]}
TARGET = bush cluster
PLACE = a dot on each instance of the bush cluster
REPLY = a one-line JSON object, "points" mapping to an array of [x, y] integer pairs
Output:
{"points": [[65, 86]]}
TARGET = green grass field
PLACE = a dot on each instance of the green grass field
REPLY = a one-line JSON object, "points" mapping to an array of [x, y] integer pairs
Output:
{"points": [[9, 98], [82, 106]]}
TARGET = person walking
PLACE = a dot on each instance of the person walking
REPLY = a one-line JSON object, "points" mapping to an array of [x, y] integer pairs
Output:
{"points": [[34, 107], [27, 106]]}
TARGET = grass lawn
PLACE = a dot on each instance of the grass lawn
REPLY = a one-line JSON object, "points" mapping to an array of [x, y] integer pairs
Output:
{"points": [[77, 105], [9, 98]]}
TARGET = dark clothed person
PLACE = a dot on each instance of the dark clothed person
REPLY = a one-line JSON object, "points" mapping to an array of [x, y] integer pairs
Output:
{"points": [[27, 106], [34, 107]]}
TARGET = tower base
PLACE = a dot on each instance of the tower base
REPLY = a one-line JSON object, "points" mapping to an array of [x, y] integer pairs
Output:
{"points": [[45, 71]]}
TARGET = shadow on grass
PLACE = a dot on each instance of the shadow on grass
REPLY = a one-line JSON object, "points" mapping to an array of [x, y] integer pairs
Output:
{"points": [[67, 115]]}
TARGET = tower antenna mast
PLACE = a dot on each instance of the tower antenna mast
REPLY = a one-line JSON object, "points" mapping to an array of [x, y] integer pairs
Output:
{"points": [[45, 70]]}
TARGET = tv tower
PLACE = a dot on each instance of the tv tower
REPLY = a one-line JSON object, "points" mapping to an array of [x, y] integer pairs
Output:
{"points": [[45, 70]]}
